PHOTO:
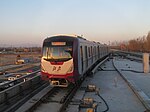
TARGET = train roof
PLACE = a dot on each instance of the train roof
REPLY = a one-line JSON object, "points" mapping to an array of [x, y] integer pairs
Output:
{"points": [[81, 38], [68, 35], [72, 37]]}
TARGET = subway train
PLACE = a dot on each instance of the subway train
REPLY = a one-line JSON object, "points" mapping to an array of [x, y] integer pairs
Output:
{"points": [[67, 58]]}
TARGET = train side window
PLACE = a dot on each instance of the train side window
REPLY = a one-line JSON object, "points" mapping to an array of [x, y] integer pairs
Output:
{"points": [[92, 54], [81, 52], [98, 51], [95, 52], [86, 56], [89, 51], [102, 51]]}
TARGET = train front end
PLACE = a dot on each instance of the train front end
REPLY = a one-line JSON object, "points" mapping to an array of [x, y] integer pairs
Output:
{"points": [[57, 61]]}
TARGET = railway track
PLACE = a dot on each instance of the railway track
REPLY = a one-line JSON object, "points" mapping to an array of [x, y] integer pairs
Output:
{"points": [[17, 68], [13, 97], [53, 97], [46, 97], [130, 55], [12, 83], [16, 76], [57, 96]]}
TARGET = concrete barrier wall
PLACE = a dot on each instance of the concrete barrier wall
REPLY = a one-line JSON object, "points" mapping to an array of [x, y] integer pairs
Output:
{"points": [[21, 87]]}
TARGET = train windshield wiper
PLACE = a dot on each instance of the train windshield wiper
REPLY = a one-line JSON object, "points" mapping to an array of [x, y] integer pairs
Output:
{"points": [[65, 59]]}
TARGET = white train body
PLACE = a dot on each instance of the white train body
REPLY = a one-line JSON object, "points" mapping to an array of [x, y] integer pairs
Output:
{"points": [[67, 58]]}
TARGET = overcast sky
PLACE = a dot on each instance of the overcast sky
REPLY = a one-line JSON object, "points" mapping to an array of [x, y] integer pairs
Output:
{"points": [[28, 22]]}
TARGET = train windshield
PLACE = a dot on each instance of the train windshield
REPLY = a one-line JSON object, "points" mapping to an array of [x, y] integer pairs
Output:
{"points": [[57, 53]]}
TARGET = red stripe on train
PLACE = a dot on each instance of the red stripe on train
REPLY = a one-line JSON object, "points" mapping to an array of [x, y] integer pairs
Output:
{"points": [[69, 76]]}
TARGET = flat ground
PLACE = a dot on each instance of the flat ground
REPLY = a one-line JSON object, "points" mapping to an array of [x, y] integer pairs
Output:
{"points": [[116, 92], [9, 59]]}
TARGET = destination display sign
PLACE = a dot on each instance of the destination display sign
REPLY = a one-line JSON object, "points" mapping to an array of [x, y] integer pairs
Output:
{"points": [[58, 43]]}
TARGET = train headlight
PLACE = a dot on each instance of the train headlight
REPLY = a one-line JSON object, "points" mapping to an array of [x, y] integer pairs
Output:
{"points": [[42, 69], [71, 69]]}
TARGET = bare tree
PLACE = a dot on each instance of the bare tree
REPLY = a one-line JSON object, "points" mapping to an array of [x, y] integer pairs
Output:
{"points": [[141, 44], [148, 41]]}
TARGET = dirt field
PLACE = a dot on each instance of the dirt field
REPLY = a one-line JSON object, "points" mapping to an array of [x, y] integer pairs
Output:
{"points": [[7, 59]]}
